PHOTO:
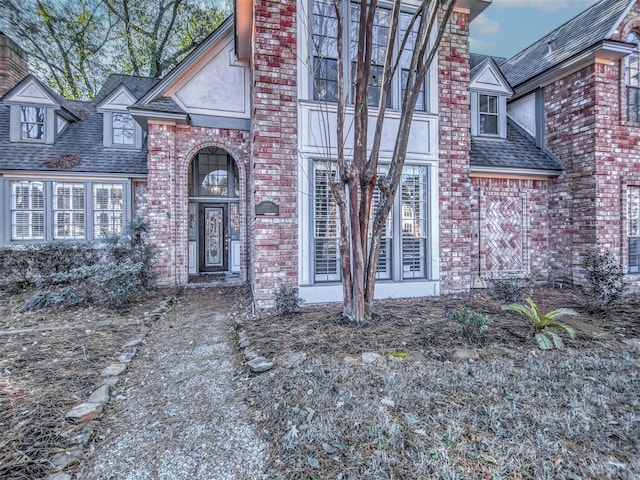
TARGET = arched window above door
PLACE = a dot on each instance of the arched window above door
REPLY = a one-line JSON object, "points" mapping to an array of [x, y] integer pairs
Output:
{"points": [[213, 173]]}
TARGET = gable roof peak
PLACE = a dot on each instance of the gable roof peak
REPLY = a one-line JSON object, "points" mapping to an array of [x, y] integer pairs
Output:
{"points": [[588, 28]]}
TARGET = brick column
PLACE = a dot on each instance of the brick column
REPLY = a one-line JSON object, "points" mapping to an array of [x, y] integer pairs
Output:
{"points": [[161, 201], [274, 150], [455, 185]]}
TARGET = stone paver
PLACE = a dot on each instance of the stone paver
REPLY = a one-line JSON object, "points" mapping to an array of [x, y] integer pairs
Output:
{"points": [[178, 412]]}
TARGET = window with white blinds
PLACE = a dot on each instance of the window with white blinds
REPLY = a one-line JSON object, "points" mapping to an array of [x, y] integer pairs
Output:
{"points": [[27, 210], [413, 205], [633, 193], [403, 260], [326, 258], [68, 211]]}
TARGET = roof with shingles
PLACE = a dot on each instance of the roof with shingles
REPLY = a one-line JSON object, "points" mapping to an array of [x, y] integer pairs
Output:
{"points": [[138, 86], [82, 138], [162, 104], [516, 151], [581, 32]]}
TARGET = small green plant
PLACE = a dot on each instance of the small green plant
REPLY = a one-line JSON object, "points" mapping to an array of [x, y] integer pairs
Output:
{"points": [[508, 290], [287, 300], [542, 324], [473, 324], [605, 276]]}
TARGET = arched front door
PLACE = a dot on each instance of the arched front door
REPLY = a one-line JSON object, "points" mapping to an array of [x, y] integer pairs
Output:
{"points": [[214, 213]]}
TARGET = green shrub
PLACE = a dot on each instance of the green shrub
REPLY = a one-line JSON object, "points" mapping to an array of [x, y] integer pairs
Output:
{"points": [[508, 290], [473, 324], [605, 276], [287, 300], [543, 323]]}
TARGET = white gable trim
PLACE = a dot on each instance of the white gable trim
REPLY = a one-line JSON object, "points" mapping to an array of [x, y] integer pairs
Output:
{"points": [[490, 79], [119, 99], [31, 92]]}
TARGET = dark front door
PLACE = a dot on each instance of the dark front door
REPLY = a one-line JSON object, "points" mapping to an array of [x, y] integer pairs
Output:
{"points": [[213, 238]]}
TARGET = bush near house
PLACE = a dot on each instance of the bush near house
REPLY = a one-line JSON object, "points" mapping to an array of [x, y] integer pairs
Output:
{"points": [[605, 276], [114, 273]]}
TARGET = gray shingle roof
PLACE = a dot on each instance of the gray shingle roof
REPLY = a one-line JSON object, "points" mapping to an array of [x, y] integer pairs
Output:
{"points": [[82, 138], [517, 151], [476, 59], [162, 104], [138, 86], [586, 29]]}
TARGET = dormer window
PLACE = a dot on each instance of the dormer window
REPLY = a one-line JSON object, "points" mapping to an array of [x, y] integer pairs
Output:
{"points": [[32, 123], [488, 111], [123, 129]]}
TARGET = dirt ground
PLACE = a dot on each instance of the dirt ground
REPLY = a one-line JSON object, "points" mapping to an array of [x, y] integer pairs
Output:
{"points": [[425, 324], [514, 413], [50, 361]]}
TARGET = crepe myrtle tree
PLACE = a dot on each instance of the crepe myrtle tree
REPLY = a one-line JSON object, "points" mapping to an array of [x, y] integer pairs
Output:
{"points": [[354, 173]]}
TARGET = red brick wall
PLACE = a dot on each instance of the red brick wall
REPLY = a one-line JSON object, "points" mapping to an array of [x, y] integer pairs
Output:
{"points": [[533, 196], [274, 148], [13, 64], [171, 150], [454, 142], [587, 129]]}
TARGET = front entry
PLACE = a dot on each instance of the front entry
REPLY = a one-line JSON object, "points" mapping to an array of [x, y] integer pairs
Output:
{"points": [[214, 237]]}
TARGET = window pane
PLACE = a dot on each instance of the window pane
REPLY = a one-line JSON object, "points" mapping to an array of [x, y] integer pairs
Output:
{"points": [[383, 268], [488, 124], [68, 212], [405, 57], [414, 222], [633, 201], [325, 51], [108, 209], [32, 123], [27, 210], [380, 35], [326, 254], [123, 129]]}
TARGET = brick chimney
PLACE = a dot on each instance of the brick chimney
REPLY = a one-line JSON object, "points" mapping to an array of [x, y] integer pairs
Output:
{"points": [[13, 64]]}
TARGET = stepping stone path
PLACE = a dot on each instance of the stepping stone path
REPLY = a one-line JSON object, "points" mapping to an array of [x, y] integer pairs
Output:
{"points": [[181, 413]]}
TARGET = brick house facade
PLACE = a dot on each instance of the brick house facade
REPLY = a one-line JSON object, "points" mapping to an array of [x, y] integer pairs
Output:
{"points": [[511, 170]]}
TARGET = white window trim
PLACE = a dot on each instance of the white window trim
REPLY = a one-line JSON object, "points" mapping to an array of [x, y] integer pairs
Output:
{"points": [[6, 215], [15, 127], [475, 114], [397, 273]]}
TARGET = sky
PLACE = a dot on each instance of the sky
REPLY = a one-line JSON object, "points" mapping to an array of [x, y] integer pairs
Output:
{"points": [[508, 26]]}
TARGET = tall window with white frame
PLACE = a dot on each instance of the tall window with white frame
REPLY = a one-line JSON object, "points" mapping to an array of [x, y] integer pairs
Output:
{"points": [[633, 201], [632, 79], [326, 256], [413, 199], [409, 217], [488, 114], [32, 123], [324, 54]]}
